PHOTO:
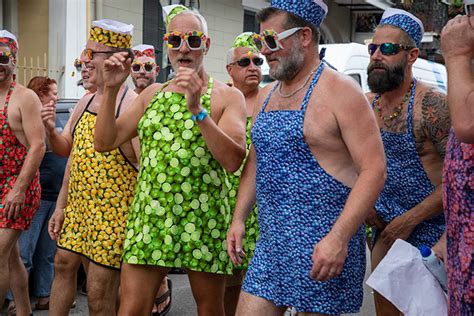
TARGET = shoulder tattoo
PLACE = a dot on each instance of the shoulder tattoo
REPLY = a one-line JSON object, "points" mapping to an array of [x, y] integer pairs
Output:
{"points": [[434, 120]]}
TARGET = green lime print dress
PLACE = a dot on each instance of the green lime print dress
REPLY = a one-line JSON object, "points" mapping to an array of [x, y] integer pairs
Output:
{"points": [[180, 214], [251, 225]]}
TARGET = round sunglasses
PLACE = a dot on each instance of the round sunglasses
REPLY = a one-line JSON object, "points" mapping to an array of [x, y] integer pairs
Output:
{"points": [[89, 53], [245, 62], [272, 39], [387, 49], [147, 67], [195, 40], [5, 58]]}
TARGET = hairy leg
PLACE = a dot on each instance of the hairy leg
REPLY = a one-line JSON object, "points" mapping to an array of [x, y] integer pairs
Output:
{"points": [[8, 239], [141, 279], [383, 307], [19, 283], [63, 290], [208, 291], [254, 305], [102, 289], [232, 291]]}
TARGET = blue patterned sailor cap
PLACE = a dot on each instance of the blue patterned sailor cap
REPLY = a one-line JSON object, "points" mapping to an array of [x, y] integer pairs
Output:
{"points": [[406, 21], [312, 11]]}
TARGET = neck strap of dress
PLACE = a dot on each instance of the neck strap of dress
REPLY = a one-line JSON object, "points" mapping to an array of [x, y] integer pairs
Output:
{"points": [[9, 94]]}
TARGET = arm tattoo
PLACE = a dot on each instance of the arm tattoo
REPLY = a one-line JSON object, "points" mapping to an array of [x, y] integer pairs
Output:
{"points": [[435, 122]]}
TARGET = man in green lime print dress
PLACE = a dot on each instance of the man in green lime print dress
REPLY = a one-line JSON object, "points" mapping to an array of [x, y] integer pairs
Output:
{"points": [[190, 130]]}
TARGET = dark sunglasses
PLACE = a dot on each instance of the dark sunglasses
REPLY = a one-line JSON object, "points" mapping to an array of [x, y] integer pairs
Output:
{"points": [[245, 62], [4, 60], [387, 49], [148, 67]]}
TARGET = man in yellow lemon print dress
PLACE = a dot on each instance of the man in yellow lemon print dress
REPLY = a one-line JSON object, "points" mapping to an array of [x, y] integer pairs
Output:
{"points": [[100, 188]]}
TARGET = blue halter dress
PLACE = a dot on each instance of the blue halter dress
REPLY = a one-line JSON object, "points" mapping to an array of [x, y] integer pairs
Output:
{"points": [[407, 184], [298, 204]]}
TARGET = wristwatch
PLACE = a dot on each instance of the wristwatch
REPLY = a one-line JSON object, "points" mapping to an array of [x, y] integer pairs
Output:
{"points": [[200, 116]]}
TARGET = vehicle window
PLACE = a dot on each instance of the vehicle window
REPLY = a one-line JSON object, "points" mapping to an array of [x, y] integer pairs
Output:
{"points": [[61, 119], [357, 78]]}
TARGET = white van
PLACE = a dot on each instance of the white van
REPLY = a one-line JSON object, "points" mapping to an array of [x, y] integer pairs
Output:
{"points": [[352, 59]]}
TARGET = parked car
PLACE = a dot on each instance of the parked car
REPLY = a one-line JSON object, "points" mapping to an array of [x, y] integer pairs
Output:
{"points": [[64, 109]]}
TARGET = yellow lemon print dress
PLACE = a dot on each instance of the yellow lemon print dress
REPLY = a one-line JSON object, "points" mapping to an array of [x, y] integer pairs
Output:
{"points": [[101, 187]]}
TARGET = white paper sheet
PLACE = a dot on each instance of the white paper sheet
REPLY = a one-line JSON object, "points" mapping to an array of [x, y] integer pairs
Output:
{"points": [[403, 279]]}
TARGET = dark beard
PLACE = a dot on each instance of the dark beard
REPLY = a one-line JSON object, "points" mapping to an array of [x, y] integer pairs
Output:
{"points": [[388, 80]]}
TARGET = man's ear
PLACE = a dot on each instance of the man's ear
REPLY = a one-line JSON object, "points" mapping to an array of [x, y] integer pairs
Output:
{"points": [[157, 70], [307, 36], [413, 55], [208, 46], [228, 68]]}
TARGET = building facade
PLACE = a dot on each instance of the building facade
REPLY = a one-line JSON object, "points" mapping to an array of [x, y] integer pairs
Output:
{"points": [[52, 33]]}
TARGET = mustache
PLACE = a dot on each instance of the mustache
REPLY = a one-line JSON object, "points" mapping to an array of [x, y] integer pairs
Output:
{"points": [[374, 65]]}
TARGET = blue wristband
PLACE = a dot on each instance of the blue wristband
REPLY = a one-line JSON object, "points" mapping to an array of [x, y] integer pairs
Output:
{"points": [[200, 116]]}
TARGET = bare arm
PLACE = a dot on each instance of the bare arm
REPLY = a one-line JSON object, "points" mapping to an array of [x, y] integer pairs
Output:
{"points": [[457, 43], [61, 143], [57, 219], [34, 133], [246, 197], [110, 133], [364, 143]]}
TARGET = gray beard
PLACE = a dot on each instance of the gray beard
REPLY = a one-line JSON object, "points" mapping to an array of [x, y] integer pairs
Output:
{"points": [[289, 67]]}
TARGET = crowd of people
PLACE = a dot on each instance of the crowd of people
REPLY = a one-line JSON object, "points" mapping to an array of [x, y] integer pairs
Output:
{"points": [[174, 175]]}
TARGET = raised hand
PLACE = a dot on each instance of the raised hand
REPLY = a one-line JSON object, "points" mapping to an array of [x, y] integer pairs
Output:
{"points": [[48, 116], [116, 69], [189, 80]]}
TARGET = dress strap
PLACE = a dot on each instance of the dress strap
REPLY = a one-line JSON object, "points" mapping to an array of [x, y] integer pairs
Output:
{"points": [[410, 108], [313, 83], [268, 98], [121, 100], [89, 103], [9, 95]]}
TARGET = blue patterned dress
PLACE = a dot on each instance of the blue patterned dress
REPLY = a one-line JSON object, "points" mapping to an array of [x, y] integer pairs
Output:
{"points": [[298, 203], [407, 184]]}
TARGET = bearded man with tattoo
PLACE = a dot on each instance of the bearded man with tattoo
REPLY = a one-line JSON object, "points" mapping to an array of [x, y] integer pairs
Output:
{"points": [[414, 124]]}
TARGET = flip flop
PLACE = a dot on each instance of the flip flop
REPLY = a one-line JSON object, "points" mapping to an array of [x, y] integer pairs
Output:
{"points": [[163, 298]]}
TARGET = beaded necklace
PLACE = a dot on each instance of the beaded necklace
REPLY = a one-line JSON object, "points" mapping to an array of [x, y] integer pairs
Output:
{"points": [[398, 109]]}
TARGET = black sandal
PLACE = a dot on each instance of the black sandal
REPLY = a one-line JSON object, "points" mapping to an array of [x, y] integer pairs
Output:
{"points": [[163, 298]]}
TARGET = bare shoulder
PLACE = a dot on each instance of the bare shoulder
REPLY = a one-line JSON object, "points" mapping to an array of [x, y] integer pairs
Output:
{"points": [[129, 97], [345, 92], [25, 97], [147, 95], [223, 90]]}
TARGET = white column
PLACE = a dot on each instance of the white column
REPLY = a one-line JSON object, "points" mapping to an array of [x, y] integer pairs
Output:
{"points": [[67, 38]]}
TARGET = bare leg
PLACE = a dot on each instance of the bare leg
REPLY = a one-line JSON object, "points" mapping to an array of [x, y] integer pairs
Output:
{"points": [[163, 289], [141, 279], [64, 285], [19, 282], [254, 305], [232, 292], [208, 291], [383, 307], [102, 289], [8, 239]]}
